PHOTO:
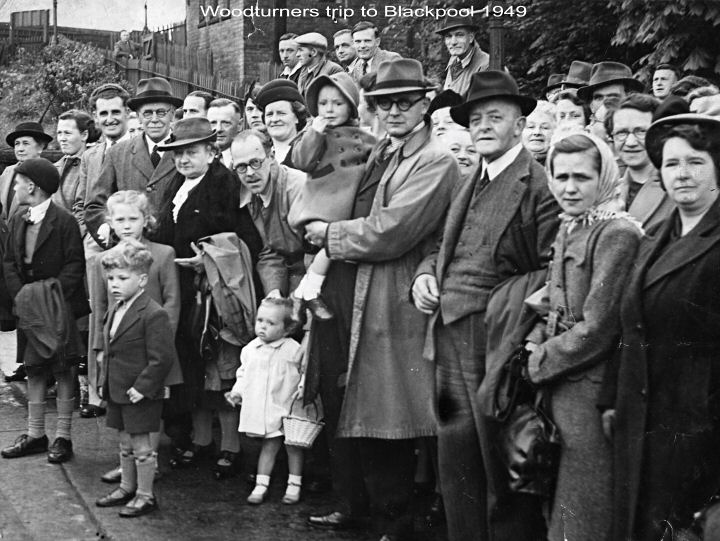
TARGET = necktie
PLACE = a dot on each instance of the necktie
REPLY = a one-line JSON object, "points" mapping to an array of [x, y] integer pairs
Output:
{"points": [[364, 67], [155, 156], [482, 184], [455, 69]]}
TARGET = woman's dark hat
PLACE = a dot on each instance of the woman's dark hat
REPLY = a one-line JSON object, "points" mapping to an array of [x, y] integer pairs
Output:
{"points": [[278, 90], [42, 172], [398, 76], [554, 81], [672, 112], [32, 129], [446, 98], [578, 75], [452, 23], [487, 85], [189, 131], [605, 73], [153, 90]]}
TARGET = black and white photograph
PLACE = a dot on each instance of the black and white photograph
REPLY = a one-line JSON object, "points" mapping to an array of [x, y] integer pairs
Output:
{"points": [[356, 270]]}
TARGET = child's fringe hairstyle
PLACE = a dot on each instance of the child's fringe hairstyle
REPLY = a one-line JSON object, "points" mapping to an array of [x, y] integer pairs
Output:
{"points": [[136, 199], [287, 305], [128, 254]]}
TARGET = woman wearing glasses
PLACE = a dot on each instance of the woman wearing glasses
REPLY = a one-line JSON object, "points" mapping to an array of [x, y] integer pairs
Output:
{"points": [[641, 188], [203, 201]]}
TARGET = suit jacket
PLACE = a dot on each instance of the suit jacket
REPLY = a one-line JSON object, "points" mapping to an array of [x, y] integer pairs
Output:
{"points": [[684, 337], [651, 204], [381, 55], [58, 254], [140, 354], [479, 61], [126, 49], [70, 194], [127, 166], [525, 230], [326, 67], [5, 187]]}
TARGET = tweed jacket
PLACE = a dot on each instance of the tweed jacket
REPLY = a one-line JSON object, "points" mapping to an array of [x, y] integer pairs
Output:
{"points": [[326, 67], [651, 204], [140, 354], [479, 61], [58, 254], [389, 386], [523, 233], [381, 55], [71, 193], [127, 166]]}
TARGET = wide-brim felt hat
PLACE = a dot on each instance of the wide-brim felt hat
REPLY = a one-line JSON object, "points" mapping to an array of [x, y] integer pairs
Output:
{"points": [[446, 98], [578, 74], [606, 73], [399, 75], [554, 81], [340, 80], [487, 85], [42, 172], [189, 131], [451, 23], [153, 90], [32, 129], [278, 90]]}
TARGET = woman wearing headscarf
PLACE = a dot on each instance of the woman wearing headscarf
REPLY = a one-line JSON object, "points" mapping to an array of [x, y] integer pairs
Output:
{"points": [[593, 254], [666, 394]]}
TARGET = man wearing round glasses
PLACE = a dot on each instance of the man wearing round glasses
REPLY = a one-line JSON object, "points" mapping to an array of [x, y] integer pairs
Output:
{"points": [[641, 188], [137, 164], [267, 189]]}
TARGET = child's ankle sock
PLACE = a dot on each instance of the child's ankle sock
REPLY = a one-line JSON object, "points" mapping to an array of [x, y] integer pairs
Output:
{"points": [[128, 479], [311, 285], [261, 484], [36, 419], [145, 467], [64, 417], [294, 484]]}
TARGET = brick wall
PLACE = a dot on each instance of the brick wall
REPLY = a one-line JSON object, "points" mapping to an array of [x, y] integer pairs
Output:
{"points": [[241, 47]]}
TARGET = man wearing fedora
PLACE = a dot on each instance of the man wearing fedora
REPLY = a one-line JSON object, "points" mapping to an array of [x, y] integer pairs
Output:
{"points": [[366, 40], [553, 87], [609, 83], [312, 56], [378, 393], [137, 164], [578, 75], [500, 225], [466, 56]]}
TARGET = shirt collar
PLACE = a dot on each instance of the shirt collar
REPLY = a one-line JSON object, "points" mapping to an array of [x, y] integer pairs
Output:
{"points": [[151, 144], [495, 167], [246, 196], [289, 71], [397, 142], [126, 304], [275, 345], [37, 213], [465, 60]]}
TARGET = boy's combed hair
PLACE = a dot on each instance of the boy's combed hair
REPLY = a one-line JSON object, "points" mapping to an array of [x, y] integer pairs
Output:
{"points": [[136, 199], [129, 254], [285, 304]]}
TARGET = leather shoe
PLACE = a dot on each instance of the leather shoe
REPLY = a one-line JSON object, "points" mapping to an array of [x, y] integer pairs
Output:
{"points": [[18, 375], [88, 411], [112, 476], [333, 521], [60, 451], [119, 496], [146, 505], [25, 445], [319, 309]]}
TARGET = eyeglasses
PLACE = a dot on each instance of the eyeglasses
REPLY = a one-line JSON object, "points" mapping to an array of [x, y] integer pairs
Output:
{"points": [[403, 104], [147, 114], [254, 164], [622, 135]]}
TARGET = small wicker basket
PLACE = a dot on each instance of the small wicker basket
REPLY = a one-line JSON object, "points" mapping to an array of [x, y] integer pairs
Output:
{"points": [[301, 431]]}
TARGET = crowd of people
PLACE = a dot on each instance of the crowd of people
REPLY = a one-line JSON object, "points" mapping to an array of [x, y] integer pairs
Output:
{"points": [[357, 239]]}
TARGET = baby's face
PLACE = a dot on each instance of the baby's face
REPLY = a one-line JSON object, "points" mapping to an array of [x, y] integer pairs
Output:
{"points": [[333, 106], [270, 323]]}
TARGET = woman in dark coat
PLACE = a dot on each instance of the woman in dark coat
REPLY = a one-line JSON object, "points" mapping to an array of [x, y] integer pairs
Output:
{"points": [[205, 201], [593, 253], [666, 386]]}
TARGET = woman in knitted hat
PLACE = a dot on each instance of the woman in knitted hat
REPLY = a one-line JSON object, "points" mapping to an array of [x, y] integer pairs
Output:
{"points": [[45, 244], [333, 151]]}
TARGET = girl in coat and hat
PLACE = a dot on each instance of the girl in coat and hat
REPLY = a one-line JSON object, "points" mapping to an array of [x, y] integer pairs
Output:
{"points": [[333, 151]]}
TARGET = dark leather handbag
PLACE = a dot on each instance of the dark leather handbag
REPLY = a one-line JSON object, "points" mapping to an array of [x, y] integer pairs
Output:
{"points": [[529, 442]]}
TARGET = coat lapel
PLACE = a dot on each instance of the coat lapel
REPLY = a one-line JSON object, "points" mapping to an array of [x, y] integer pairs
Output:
{"points": [[707, 234], [46, 227], [164, 168], [141, 158], [131, 317]]}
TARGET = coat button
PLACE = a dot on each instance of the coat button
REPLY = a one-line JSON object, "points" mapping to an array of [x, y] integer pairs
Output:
{"points": [[643, 392], [149, 189], [639, 326]]}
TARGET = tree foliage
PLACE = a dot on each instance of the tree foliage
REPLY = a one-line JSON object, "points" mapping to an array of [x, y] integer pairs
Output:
{"points": [[53, 80]]}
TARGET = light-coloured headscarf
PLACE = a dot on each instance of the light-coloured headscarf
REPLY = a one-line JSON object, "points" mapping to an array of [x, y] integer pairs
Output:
{"points": [[608, 204]]}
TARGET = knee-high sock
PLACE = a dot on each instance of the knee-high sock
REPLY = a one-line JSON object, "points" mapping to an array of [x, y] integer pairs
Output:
{"points": [[36, 419], [64, 420], [128, 480], [146, 466]]}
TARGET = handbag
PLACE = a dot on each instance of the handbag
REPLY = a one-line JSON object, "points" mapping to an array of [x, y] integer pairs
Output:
{"points": [[529, 442]]}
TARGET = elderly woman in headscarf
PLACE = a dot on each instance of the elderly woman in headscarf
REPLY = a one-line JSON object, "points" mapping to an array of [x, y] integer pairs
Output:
{"points": [[593, 254]]}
